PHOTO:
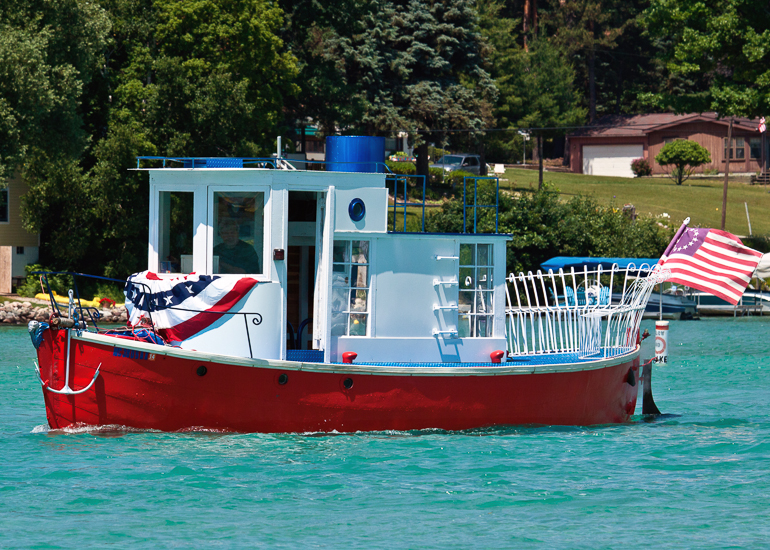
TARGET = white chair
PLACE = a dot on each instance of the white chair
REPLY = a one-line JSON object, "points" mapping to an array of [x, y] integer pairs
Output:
{"points": [[500, 171]]}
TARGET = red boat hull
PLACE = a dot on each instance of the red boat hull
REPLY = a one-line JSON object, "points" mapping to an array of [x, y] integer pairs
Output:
{"points": [[139, 388]]}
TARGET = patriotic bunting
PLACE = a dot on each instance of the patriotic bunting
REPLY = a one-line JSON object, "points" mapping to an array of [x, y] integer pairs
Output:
{"points": [[182, 306]]}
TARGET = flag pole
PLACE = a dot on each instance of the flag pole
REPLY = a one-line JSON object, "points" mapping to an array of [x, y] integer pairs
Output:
{"points": [[676, 238]]}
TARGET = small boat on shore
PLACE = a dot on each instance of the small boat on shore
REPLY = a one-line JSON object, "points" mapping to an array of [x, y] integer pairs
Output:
{"points": [[279, 300]]}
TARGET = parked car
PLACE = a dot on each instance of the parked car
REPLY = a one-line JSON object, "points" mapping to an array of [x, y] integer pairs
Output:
{"points": [[459, 161]]}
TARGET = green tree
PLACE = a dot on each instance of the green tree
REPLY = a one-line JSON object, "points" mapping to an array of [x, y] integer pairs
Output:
{"points": [[720, 52], [684, 155], [537, 92], [581, 27], [420, 65], [316, 33], [49, 51]]}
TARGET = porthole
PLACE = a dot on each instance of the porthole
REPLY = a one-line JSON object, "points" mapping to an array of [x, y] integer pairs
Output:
{"points": [[283, 378], [202, 370], [347, 383], [357, 210]]}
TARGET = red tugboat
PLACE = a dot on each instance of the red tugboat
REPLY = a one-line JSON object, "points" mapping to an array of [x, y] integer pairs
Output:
{"points": [[277, 300]]}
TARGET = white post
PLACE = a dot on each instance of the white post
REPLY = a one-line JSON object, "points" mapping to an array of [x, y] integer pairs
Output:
{"points": [[279, 147], [747, 216], [661, 342]]}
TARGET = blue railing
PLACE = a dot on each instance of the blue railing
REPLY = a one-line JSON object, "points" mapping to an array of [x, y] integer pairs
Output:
{"points": [[475, 206], [247, 162], [404, 179], [400, 182]]}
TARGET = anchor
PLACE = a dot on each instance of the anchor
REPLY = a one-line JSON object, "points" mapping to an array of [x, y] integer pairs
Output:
{"points": [[66, 390]]}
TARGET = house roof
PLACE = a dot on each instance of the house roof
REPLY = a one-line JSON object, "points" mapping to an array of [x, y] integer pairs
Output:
{"points": [[641, 125]]}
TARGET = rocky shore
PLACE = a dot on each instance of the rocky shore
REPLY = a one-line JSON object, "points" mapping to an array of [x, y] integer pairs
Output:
{"points": [[21, 313]]}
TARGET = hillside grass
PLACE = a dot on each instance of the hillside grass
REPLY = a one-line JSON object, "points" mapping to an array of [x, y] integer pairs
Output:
{"points": [[701, 199]]}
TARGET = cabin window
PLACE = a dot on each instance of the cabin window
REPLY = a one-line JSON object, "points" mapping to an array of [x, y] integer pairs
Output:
{"points": [[737, 151], [175, 243], [238, 232], [755, 146], [350, 288], [476, 299], [4, 205]]}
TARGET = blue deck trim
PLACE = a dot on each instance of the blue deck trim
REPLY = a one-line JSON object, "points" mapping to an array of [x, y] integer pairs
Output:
{"points": [[305, 355]]}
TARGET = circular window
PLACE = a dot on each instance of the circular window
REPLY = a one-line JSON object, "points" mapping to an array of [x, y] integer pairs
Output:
{"points": [[357, 210]]}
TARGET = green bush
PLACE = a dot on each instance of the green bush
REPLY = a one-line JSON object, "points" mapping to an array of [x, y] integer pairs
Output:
{"points": [[402, 168], [684, 155], [455, 178], [31, 285], [640, 167]]}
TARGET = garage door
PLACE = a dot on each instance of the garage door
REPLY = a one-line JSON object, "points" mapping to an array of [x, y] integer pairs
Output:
{"points": [[610, 160]]}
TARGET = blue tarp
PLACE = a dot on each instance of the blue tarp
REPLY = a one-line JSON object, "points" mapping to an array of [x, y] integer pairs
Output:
{"points": [[567, 262]]}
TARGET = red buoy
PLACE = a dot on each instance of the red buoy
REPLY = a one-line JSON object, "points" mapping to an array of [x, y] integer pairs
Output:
{"points": [[350, 356]]}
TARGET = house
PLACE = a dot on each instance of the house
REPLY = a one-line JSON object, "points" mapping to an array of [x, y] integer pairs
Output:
{"points": [[18, 247], [608, 148]]}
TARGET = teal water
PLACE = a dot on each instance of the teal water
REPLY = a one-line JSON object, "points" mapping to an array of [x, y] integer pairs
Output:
{"points": [[698, 479]]}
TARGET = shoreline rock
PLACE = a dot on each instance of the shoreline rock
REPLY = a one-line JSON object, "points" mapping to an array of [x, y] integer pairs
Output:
{"points": [[21, 313]]}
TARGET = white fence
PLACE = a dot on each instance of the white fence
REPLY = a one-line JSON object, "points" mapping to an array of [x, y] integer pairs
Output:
{"points": [[594, 313]]}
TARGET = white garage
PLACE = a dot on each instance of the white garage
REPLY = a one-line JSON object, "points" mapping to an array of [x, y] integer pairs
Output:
{"points": [[611, 160]]}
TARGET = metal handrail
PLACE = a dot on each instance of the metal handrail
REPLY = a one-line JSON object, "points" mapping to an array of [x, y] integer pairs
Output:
{"points": [[545, 315]]}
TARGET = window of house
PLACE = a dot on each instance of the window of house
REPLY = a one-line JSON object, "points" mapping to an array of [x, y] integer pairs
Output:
{"points": [[476, 298], [4, 205], [755, 146], [671, 139], [238, 232], [737, 150], [175, 238], [19, 250], [350, 288]]}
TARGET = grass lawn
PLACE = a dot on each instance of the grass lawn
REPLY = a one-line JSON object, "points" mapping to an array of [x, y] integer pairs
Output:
{"points": [[701, 199]]}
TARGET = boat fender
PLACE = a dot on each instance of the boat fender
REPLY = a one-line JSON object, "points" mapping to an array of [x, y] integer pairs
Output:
{"points": [[497, 356], [631, 378], [36, 329], [349, 356]]}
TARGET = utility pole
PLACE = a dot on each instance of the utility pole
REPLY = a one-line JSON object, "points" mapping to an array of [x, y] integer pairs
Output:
{"points": [[728, 154]]}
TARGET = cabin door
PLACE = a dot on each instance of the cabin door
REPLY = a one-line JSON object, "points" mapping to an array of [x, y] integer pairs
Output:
{"points": [[301, 265]]}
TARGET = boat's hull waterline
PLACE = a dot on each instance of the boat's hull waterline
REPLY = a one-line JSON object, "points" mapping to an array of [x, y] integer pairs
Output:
{"points": [[146, 386]]}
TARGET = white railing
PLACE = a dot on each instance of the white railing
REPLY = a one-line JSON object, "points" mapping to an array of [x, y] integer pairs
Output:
{"points": [[594, 313]]}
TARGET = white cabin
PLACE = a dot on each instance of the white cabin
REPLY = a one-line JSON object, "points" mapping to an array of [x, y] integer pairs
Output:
{"points": [[319, 242]]}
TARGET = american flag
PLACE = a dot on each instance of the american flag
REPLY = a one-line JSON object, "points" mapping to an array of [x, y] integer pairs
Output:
{"points": [[762, 126], [710, 260], [182, 306]]}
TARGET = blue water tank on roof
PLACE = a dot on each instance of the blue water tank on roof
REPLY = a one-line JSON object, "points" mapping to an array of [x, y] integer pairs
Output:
{"points": [[355, 154]]}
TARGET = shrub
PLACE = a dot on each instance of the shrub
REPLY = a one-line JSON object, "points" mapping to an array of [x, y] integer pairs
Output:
{"points": [[684, 155], [31, 286], [456, 178], [402, 168], [641, 167]]}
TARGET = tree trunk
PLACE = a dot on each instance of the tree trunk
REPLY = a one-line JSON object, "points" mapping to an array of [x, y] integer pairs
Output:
{"points": [[482, 158], [540, 160], [727, 170], [525, 23], [591, 85], [423, 165]]}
